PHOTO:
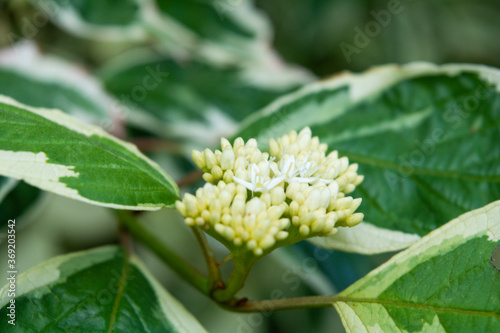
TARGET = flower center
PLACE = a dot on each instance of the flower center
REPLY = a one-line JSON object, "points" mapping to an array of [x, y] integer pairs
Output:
{"points": [[289, 169]]}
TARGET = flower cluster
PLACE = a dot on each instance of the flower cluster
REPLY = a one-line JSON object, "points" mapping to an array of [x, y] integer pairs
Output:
{"points": [[256, 199]]}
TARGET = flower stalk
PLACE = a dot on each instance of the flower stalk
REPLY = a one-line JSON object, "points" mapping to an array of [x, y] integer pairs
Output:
{"points": [[174, 261]]}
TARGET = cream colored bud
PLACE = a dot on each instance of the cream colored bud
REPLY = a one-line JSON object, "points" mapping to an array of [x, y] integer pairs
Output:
{"points": [[254, 206], [238, 207], [304, 139], [349, 188], [252, 143], [314, 142], [228, 176], [274, 148], [331, 219], [199, 221], [294, 208], [219, 228], [325, 197], [267, 242], [343, 203], [214, 205], [258, 251], [225, 198], [210, 159], [191, 204], [181, 208], [228, 233], [218, 155], [214, 217], [283, 223], [334, 155], [313, 200], [256, 156], [307, 219], [358, 180], [354, 219], [353, 168], [205, 215], [225, 144], [318, 225], [227, 159], [304, 230], [344, 164], [334, 188], [275, 212], [342, 182], [281, 235], [292, 190], [240, 164], [332, 232], [189, 221], [208, 177], [277, 195], [238, 143], [244, 235], [355, 204], [252, 244], [217, 172], [329, 174], [306, 131], [226, 219], [198, 159]]}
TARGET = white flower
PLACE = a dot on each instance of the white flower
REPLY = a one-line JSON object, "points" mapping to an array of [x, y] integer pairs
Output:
{"points": [[260, 180], [296, 189]]}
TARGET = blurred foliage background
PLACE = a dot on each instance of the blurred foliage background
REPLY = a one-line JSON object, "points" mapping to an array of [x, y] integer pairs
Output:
{"points": [[308, 36]]}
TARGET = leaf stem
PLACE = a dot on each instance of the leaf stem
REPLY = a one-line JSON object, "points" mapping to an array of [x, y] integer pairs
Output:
{"points": [[242, 266], [174, 261], [282, 304], [213, 267]]}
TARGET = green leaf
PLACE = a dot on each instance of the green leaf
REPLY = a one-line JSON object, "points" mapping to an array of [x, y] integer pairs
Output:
{"points": [[101, 290], [443, 283], [425, 138], [227, 30], [49, 82], [220, 30], [55, 152], [195, 100], [116, 20]]}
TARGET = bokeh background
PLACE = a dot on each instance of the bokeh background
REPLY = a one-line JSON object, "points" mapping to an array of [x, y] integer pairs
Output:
{"points": [[312, 39]]}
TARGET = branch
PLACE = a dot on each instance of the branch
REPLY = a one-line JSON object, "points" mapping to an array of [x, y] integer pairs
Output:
{"points": [[179, 265], [244, 305], [148, 145], [190, 178], [213, 268]]}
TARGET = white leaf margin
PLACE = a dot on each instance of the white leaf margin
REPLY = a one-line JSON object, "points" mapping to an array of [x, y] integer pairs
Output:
{"points": [[48, 272], [25, 59], [47, 181], [473, 224], [362, 86], [170, 306], [67, 18], [366, 238]]}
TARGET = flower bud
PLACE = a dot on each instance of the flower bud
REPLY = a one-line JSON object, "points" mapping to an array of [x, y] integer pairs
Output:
{"points": [[227, 159], [198, 159]]}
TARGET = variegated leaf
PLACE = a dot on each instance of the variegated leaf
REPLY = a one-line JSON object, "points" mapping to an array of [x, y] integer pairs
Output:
{"points": [[446, 282], [55, 152], [425, 138], [101, 290]]}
